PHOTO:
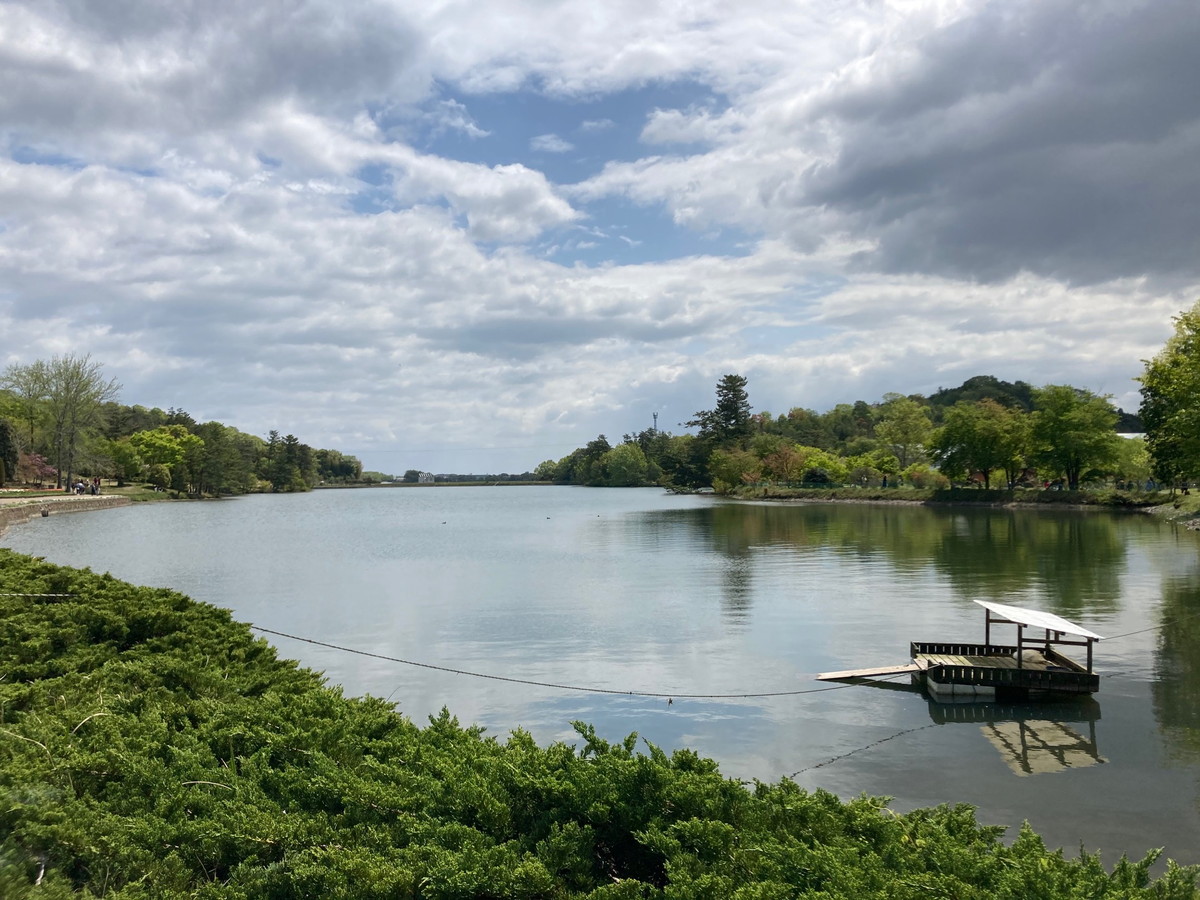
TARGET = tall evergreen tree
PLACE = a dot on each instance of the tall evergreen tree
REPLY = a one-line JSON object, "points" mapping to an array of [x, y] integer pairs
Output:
{"points": [[729, 421]]}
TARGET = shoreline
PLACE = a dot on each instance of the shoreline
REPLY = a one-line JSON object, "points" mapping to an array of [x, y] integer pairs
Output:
{"points": [[1159, 510], [22, 510], [1168, 512], [17, 511], [1180, 508]]}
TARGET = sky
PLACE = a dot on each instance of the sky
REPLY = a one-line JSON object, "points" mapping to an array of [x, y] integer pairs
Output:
{"points": [[469, 237]]}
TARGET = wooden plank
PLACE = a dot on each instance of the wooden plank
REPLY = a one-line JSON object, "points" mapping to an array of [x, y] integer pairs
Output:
{"points": [[868, 673]]}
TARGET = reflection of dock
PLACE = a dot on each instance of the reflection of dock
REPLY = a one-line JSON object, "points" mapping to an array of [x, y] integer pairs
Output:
{"points": [[1083, 709], [1027, 739]]}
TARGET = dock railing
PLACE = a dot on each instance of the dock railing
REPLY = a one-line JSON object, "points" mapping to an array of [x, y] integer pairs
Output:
{"points": [[1054, 680]]}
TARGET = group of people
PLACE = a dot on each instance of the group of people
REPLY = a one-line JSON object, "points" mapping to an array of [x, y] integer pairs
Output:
{"points": [[88, 487]]}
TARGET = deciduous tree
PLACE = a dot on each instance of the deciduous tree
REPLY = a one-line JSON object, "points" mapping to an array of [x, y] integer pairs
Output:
{"points": [[176, 448], [625, 465], [904, 428], [1073, 431], [980, 438], [1170, 409], [28, 389], [76, 389]]}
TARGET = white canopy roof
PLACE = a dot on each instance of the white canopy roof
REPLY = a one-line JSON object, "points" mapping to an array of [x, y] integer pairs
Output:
{"points": [[1038, 619]]}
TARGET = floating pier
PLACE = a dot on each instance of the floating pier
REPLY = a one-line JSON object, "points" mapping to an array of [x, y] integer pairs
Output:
{"points": [[1030, 669]]}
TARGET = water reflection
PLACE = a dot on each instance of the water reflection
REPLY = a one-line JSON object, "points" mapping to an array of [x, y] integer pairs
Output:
{"points": [[639, 591], [996, 553], [737, 595], [1176, 688], [1065, 562], [1032, 740]]}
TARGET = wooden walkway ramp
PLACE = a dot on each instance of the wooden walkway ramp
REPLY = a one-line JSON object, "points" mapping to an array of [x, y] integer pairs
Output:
{"points": [[899, 669]]}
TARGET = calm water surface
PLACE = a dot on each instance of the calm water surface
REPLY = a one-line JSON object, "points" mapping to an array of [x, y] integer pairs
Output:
{"points": [[636, 590]]}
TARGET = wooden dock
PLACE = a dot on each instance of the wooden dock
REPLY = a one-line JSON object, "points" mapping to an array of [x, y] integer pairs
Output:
{"points": [[1033, 668], [898, 669], [1031, 661]]}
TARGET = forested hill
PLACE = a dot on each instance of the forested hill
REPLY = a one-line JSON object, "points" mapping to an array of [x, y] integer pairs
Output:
{"points": [[1013, 394], [153, 748]]}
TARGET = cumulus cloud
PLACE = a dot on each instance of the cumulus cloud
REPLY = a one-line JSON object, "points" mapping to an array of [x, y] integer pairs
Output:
{"points": [[675, 126], [451, 115], [243, 210], [1052, 138], [550, 143]]}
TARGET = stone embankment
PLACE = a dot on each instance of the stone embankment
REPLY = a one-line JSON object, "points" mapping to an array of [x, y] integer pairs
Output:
{"points": [[17, 511]]}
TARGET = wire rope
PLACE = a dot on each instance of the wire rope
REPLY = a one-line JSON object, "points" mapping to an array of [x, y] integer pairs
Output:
{"points": [[585, 689]]}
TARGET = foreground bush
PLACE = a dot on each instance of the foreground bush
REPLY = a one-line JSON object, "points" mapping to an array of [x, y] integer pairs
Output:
{"points": [[151, 747]]}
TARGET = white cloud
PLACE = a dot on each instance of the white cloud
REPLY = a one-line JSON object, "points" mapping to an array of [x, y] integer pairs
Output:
{"points": [[231, 209], [595, 125], [450, 115], [550, 143], [674, 126]]}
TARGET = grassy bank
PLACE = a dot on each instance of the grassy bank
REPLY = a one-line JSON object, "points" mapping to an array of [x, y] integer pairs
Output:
{"points": [[1181, 508], [152, 747], [1110, 499]]}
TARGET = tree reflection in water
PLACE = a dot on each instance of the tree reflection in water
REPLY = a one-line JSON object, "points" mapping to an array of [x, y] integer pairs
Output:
{"points": [[1063, 562], [1176, 687]]}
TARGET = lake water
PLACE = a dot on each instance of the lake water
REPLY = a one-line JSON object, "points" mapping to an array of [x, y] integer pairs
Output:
{"points": [[637, 590]]}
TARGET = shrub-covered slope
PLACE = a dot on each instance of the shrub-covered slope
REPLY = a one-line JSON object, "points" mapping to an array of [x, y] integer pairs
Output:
{"points": [[152, 747]]}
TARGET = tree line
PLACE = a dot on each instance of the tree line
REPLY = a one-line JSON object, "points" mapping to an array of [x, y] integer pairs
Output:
{"points": [[986, 432], [60, 421]]}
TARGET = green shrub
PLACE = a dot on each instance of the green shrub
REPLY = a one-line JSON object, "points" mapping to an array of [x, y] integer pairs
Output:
{"points": [[152, 747]]}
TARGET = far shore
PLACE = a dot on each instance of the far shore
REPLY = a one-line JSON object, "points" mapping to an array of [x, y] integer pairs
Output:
{"points": [[1180, 508], [1157, 502]]}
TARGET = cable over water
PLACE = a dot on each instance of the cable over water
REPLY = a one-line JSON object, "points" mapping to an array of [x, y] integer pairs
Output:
{"points": [[585, 689]]}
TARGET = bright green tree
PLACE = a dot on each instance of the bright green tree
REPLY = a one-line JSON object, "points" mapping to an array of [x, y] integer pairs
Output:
{"points": [[126, 463], [28, 388], [922, 475], [904, 428], [981, 438], [165, 445], [733, 468], [1133, 464], [1073, 431], [820, 466], [625, 465], [1170, 407]]}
